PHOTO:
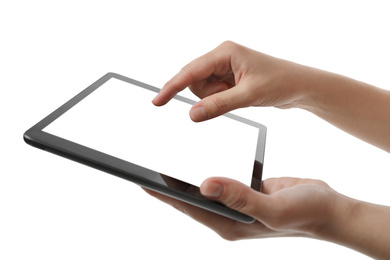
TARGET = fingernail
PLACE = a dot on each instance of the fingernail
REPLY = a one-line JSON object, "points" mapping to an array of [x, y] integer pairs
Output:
{"points": [[199, 114], [212, 190]]}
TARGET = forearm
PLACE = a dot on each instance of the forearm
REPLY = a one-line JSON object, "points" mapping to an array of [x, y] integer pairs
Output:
{"points": [[355, 107], [358, 225]]}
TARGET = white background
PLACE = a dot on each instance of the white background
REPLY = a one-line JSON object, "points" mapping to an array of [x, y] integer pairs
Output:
{"points": [[52, 208]]}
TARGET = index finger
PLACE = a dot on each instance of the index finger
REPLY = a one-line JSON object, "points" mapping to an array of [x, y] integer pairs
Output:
{"points": [[199, 69]]}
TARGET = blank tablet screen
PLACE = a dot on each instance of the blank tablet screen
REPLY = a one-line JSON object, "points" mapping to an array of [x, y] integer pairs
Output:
{"points": [[119, 119]]}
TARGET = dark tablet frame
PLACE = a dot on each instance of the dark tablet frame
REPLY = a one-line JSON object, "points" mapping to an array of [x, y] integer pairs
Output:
{"points": [[144, 177]]}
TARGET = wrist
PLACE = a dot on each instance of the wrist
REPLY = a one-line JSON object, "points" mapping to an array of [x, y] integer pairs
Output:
{"points": [[358, 225], [302, 85], [334, 227], [312, 87]]}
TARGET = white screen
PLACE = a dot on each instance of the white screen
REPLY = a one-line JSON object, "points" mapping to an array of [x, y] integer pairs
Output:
{"points": [[119, 119]]}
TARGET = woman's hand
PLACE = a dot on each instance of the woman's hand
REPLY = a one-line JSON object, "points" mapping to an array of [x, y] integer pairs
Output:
{"points": [[233, 76], [294, 207], [287, 207]]}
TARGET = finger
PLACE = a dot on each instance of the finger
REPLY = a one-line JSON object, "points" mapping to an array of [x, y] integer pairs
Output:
{"points": [[220, 103], [207, 218], [199, 69], [237, 196], [207, 88]]}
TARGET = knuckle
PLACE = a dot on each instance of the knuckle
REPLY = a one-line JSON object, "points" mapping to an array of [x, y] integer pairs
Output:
{"points": [[232, 47], [238, 202], [228, 236], [191, 75], [322, 183], [220, 105], [235, 232], [229, 44], [179, 207]]}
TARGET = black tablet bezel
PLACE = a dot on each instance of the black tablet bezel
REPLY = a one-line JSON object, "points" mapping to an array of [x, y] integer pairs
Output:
{"points": [[147, 178]]}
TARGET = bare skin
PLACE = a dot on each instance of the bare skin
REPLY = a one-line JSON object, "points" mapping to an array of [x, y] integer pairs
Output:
{"points": [[233, 76]]}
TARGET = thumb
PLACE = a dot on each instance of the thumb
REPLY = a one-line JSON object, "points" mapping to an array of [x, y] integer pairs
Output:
{"points": [[234, 195], [219, 103]]}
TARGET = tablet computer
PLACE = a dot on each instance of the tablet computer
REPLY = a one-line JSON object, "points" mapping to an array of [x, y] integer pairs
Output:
{"points": [[113, 126]]}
